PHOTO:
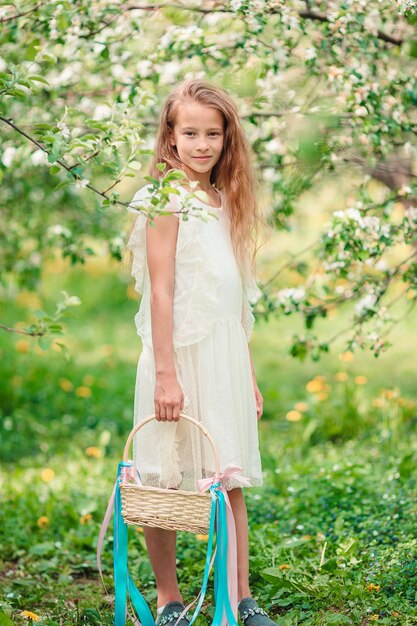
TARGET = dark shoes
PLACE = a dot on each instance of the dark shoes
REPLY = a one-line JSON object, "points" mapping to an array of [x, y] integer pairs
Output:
{"points": [[252, 615], [170, 614]]}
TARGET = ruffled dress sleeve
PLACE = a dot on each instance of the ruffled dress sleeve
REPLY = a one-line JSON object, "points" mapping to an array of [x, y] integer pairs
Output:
{"points": [[137, 240], [250, 296], [196, 299]]}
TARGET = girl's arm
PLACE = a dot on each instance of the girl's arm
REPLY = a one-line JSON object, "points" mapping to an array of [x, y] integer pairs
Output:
{"points": [[258, 396], [161, 245]]}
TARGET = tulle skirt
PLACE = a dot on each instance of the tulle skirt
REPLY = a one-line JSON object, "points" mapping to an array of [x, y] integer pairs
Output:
{"points": [[216, 379]]}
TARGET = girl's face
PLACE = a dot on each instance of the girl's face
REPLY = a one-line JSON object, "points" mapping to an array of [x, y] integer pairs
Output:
{"points": [[198, 132]]}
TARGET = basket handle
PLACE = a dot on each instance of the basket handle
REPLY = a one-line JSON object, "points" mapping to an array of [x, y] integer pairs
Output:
{"points": [[184, 416]]}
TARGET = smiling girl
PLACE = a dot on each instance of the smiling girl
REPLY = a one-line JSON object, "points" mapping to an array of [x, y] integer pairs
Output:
{"points": [[196, 277]]}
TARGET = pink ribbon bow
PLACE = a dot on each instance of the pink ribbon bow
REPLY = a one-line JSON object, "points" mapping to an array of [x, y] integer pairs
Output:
{"points": [[229, 471]]}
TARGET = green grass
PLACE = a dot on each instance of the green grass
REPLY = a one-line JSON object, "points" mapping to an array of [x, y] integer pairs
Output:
{"points": [[332, 531]]}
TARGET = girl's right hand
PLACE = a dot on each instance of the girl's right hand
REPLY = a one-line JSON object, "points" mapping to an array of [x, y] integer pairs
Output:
{"points": [[169, 399]]}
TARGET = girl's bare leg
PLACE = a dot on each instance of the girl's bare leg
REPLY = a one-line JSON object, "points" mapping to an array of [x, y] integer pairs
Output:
{"points": [[238, 504], [162, 549]]}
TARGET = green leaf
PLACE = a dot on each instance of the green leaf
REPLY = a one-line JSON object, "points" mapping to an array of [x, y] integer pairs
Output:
{"points": [[54, 169], [5, 619], [44, 342], [39, 79], [161, 167]]}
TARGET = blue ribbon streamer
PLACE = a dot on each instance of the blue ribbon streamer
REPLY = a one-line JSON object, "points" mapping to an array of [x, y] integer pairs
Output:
{"points": [[123, 581], [124, 584]]}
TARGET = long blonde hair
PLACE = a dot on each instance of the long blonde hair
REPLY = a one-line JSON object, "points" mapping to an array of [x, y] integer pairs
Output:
{"points": [[234, 173]]}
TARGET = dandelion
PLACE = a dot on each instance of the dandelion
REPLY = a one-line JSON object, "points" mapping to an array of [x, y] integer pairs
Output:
{"points": [[294, 416], [65, 384], [83, 392], [372, 587], [89, 379], [378, 402], [84, 519], [139, 529], [301, 406], [346, 357], [389, 394], [202, 537], [322, 396], [307, 537], [361, 380], [94, 452], [284, 566], [43, 521], [22, 346], [314, 386], [47, 474], [30, 615], [341, 377], [374, 617]]}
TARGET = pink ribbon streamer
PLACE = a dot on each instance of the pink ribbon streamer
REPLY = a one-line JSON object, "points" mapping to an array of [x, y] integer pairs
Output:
{"points": [[229, 471]]}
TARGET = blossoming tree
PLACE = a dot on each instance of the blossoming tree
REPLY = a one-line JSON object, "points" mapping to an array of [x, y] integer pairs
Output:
{"points": [[324, 89]]}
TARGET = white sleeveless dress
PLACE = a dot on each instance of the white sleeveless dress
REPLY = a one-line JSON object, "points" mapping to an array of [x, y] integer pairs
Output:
{"points": [[212, 324]]}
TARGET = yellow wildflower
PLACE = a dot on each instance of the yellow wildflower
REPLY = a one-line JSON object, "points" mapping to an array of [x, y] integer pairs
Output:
{"points": [[83, 392], [22, 345], [346, 357], [389, 394], [314, 386], [29, 299], [202, 537], [65, 384], [341, 376], [30, 615], [322, 396], [84, 519], [47, 474], [372, 587], [320, 377], [395, 614], [301, 406], [360, 380], [284, 566], [294, 416], [89, 379], [378, 402], [374, 617], [94, 452], [43, 521], [139, 529], [306, 537]]}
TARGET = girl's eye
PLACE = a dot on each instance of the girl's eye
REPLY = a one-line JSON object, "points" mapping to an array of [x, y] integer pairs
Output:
{"points": [[190, 132]]}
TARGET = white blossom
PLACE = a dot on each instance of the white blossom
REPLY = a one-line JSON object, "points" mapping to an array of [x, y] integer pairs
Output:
{"points": [[8, 155], [39, 157], [365, 304]]}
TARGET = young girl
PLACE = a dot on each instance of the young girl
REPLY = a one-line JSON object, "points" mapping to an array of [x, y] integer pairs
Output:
{"points": [[195, 321]]}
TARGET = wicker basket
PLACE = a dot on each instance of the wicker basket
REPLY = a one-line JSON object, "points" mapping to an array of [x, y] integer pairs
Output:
{"points": [[172, 509]]}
